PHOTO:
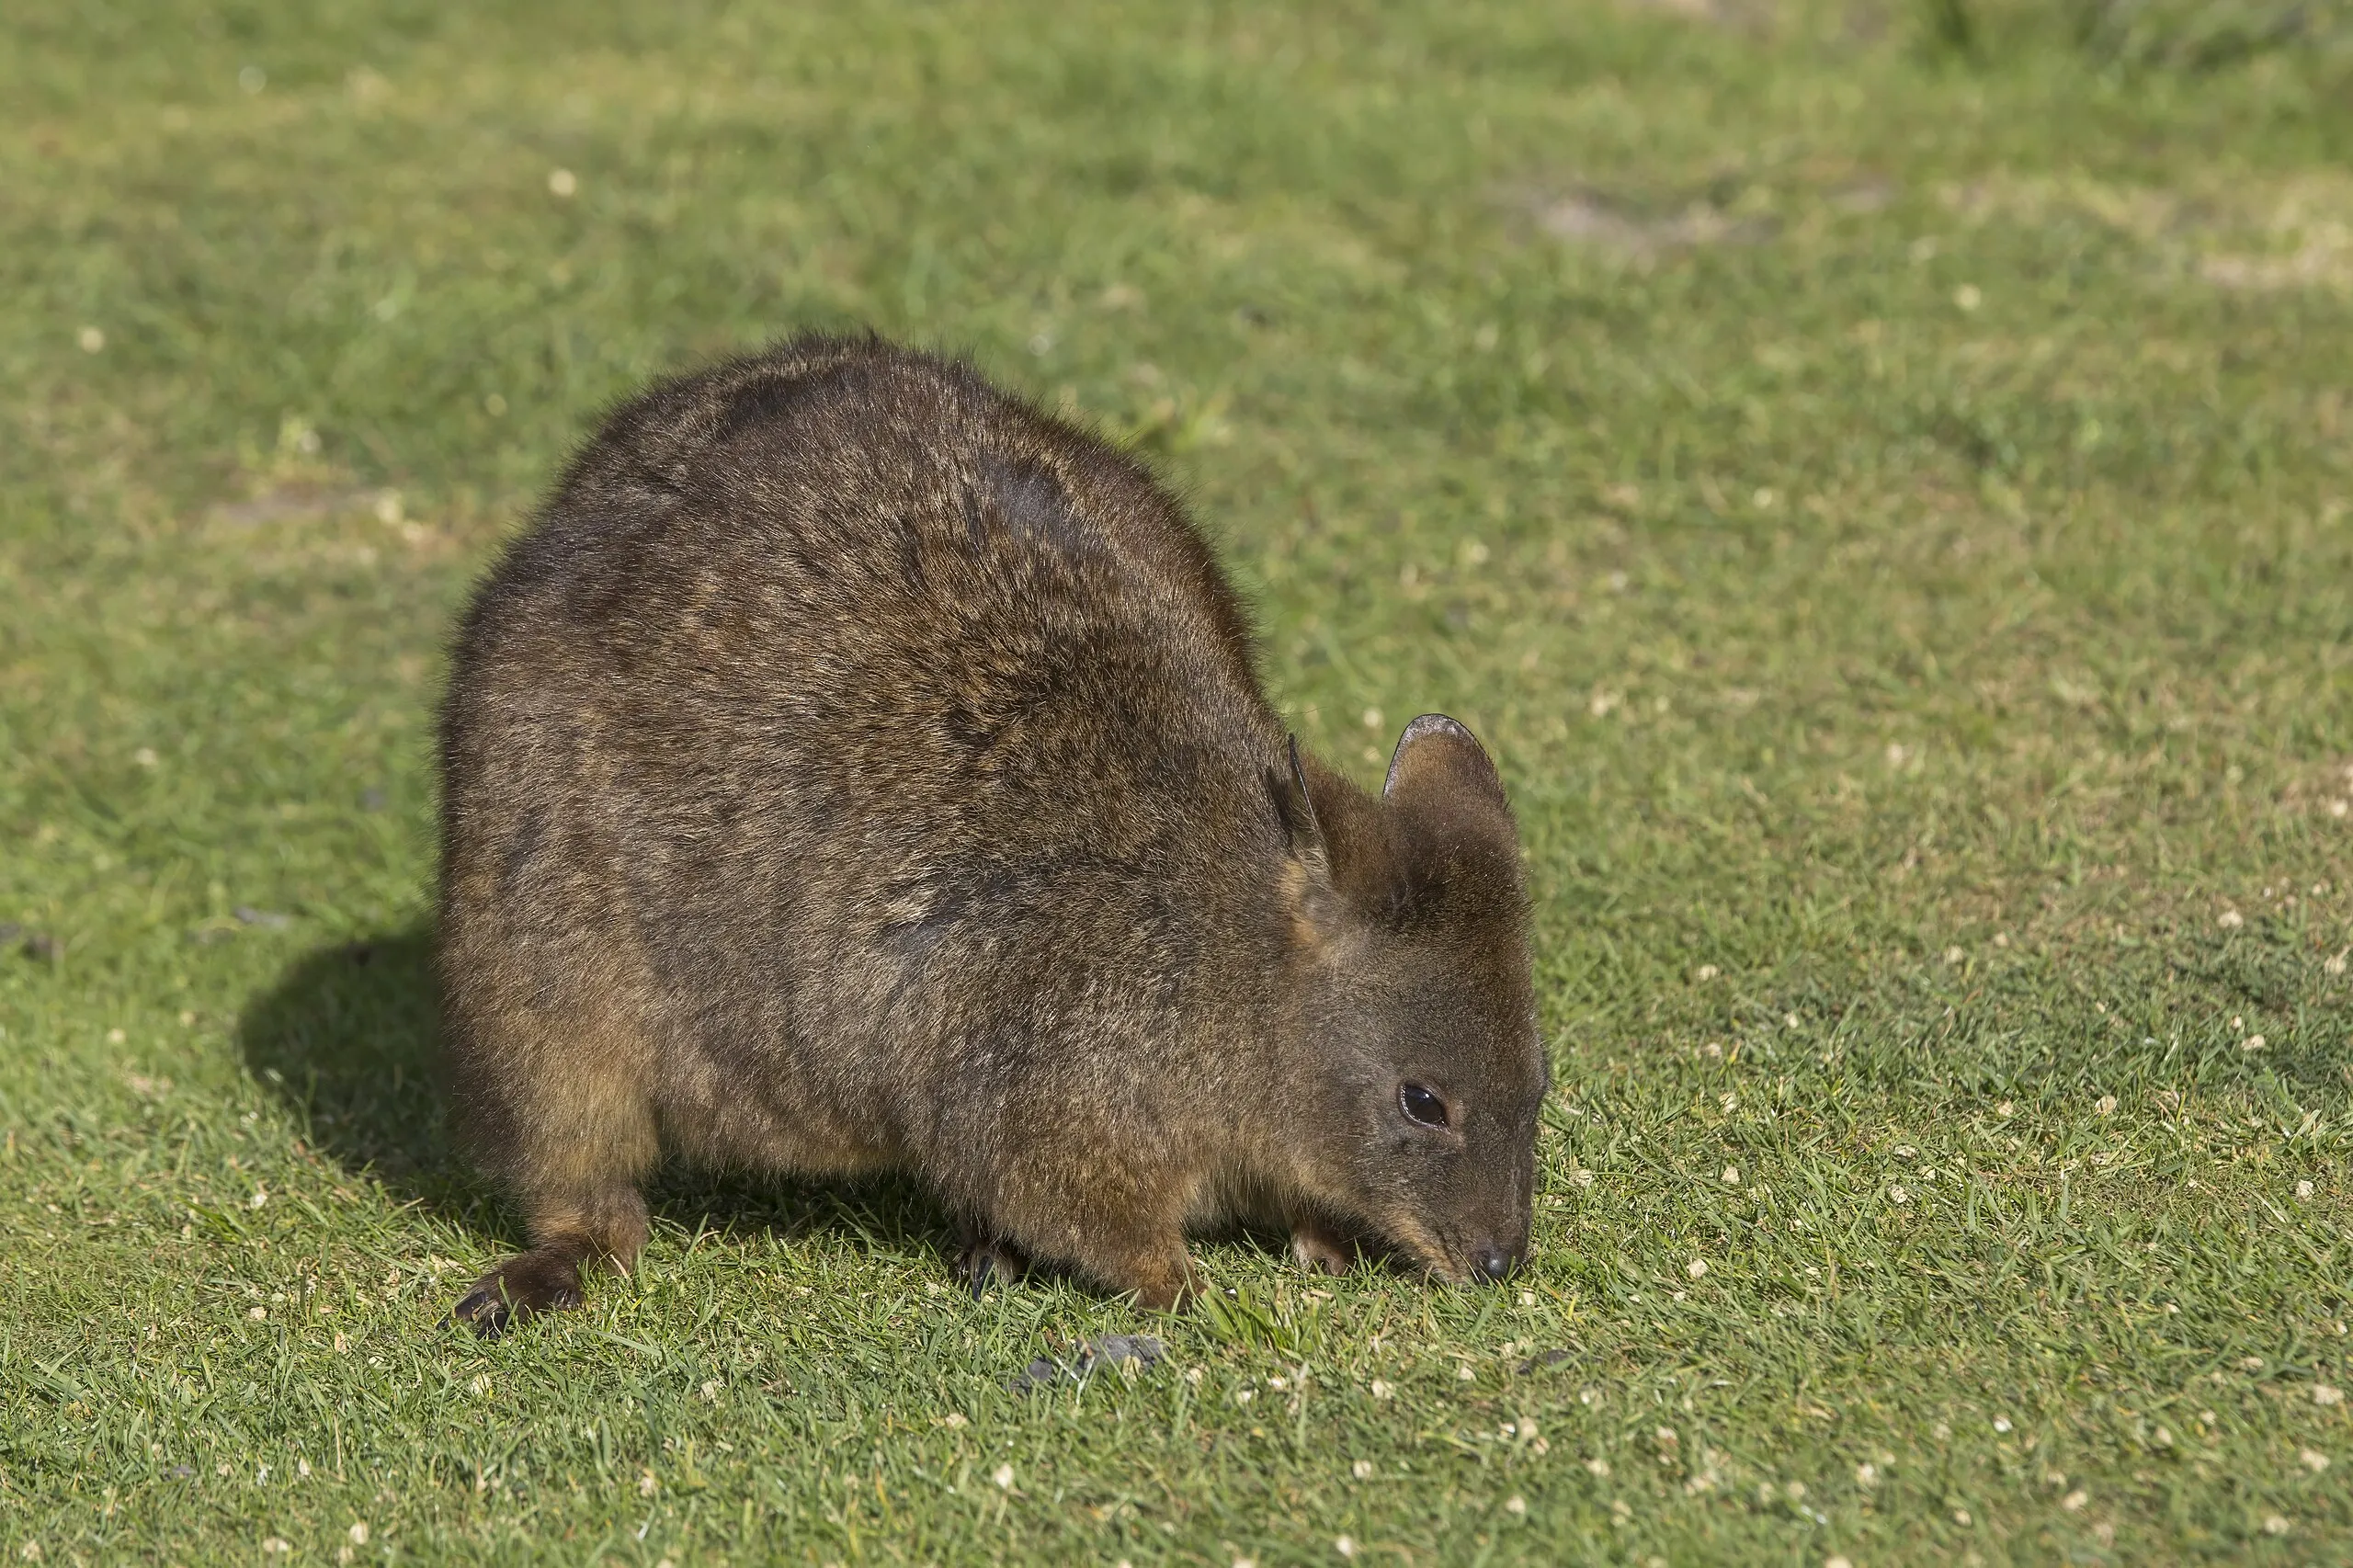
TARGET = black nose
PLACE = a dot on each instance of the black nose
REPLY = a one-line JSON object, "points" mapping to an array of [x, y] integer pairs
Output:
{"points": [[1492, 1262]]}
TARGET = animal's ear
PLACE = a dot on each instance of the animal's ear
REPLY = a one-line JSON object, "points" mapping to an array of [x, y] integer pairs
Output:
{"points": [[1296, 809], [1437, 762]]}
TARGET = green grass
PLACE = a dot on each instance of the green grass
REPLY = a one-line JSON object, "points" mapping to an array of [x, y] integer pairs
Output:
{"points": [[1886, 495]]}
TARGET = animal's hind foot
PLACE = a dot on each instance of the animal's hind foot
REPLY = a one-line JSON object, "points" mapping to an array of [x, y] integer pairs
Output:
{"points": [[987, 1260], [545, 1280]]}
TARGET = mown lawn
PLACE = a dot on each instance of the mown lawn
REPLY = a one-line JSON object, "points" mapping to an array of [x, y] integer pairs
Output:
{"points": [[1881, 477]]}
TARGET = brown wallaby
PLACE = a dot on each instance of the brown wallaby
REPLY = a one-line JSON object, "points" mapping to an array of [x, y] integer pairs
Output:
{"points": [[854, 769]]}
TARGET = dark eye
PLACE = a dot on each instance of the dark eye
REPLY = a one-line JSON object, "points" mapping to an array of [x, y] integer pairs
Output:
{"points": [[1420, 1105]]}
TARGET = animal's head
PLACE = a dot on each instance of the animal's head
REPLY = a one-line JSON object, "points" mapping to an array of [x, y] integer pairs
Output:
{"points": [[1409, 924]]}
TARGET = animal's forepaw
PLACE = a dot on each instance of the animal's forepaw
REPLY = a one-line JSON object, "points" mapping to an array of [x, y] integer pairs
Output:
{"points": [[1319, 1251], [990, 1260], [516, 1290], [484, 1308]]}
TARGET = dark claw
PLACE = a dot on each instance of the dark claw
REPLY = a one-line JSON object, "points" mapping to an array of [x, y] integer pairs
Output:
{"points": [[483, 1309]]}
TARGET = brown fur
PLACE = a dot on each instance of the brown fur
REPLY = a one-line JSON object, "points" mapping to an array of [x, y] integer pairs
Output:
{"points": [[853, 768]]}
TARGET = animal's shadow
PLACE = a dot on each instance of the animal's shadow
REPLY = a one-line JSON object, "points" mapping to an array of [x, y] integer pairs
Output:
{"points": [[348, 1038]]}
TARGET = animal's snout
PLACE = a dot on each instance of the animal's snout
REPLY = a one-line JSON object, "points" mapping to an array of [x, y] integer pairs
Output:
{"points": [[1492, 1262]]}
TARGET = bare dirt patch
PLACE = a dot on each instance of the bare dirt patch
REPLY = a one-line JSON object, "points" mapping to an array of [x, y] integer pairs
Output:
{"points": [[1747, 16], [301, 503], [2259, 237], [1586, 219]]}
